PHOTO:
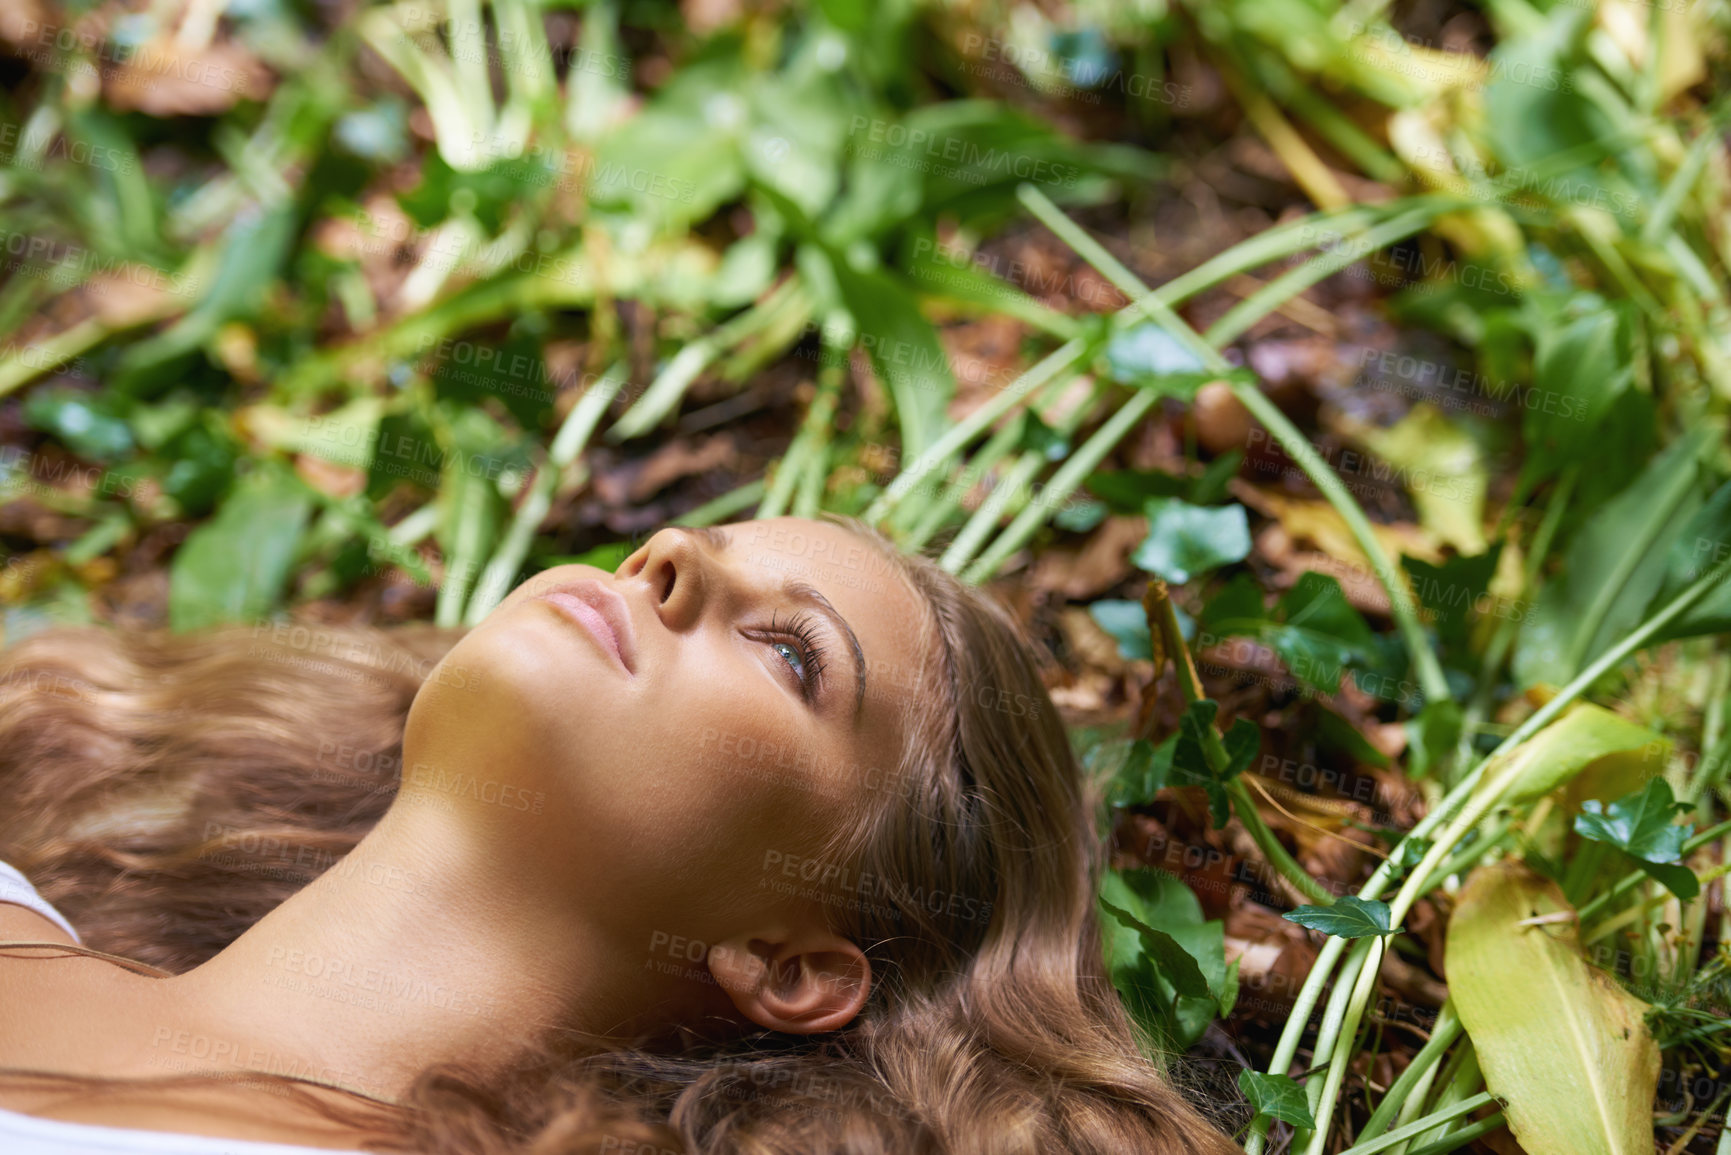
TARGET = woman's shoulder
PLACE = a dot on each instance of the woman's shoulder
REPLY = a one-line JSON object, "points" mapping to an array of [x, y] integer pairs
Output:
{"points": [[187, 1122]]}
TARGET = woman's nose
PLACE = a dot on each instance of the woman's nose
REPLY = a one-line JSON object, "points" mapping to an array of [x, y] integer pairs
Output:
{"points": [[673, 566]]}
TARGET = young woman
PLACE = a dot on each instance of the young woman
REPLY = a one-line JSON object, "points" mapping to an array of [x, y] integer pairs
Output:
{"points": [[769, 842]]}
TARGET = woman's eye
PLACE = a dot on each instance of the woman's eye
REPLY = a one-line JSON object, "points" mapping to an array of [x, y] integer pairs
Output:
{"points": [[791, 654]]}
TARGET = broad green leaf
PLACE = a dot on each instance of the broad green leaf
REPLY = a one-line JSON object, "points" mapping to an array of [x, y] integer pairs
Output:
{"points": [[1454, 591], [1319, 632], [1640, 824], [1127, 623], [1613, 566], [1432, 734], [1704, 543], [1350, 917], [1169, 958], [1143, 773], [1128, 490], [1587, 738], [1191, 765], [1158, 899], [1277, 1096], [1185, 541], [233, 567], [1441, 467], [1561, 1044]]}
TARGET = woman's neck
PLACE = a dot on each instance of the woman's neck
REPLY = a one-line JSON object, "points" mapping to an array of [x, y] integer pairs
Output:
{"points": [[421, 946]]}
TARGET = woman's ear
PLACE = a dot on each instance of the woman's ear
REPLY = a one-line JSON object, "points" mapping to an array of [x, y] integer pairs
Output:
{"points": [[799, 983]]}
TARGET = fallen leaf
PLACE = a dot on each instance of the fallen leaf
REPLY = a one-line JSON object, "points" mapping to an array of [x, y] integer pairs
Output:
{"points": [[1561, 1044]]}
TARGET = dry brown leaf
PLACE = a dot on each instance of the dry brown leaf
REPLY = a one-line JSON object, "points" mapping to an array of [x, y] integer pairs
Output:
{"points": [[1101, 563], [161, 78]]}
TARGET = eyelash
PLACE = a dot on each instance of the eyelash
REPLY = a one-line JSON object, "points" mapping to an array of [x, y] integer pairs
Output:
{"points": [[801, 629]]}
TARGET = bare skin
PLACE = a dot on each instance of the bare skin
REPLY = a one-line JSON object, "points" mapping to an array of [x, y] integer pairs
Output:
{"points": [[585, 838]]}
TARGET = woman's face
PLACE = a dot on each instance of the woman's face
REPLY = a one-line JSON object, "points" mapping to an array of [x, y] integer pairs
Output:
{"points": [[686, 731]]}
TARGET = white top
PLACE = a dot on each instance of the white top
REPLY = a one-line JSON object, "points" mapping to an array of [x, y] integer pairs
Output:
{"points": [[28, 1135]]}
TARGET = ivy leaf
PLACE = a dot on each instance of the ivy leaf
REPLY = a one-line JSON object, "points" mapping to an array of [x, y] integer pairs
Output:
{"points": [[1144, 772], [1319, 632], [1431, 735], [1190, 766], [1350, 917], [1639, 824], [1185, 541], [1128, 625], [1277, 1096], [1170, 959]]}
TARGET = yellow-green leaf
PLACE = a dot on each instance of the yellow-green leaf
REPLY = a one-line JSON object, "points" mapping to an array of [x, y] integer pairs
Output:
{"points": [[1558, 1040], [1589, 740]]}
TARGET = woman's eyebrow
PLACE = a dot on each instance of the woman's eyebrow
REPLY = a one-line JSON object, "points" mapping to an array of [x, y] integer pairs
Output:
{"points": [[800, 591], [803, 592]]}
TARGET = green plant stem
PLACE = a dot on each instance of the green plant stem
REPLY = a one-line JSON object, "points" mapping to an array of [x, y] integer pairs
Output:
{"points": [[1504, 638], [1419, 1126], [720, 508], [1270, 245], [1457, 1139], [1447, 1029], [1266, 841], [1066, 480], [1165, 621], [1629, 914], [663, 394]]}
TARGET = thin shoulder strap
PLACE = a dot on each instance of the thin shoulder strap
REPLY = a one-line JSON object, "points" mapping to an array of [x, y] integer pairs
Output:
{"points": [[75, 949]]}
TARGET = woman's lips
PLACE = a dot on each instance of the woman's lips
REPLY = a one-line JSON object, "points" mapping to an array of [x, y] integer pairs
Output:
{"points": [[603, 615]]}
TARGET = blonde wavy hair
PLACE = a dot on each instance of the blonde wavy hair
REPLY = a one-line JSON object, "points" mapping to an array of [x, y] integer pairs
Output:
{"points": [[168, 791]]}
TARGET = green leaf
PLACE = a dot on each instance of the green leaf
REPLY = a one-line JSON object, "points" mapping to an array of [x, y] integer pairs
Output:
{"points": [[1185, 541], [903, 347], [1158, 899], [1587, 740], [1349, 917], [1320, 632], [1639, 824], [1432, 735], [1127, 622], [1704, 543], [1563, 1046], [89, 424], [1277, 1096], [233, 568], [1191, 764], [1172, 960], [1144, 772], [1128, 490], [1613, 567], [1452, 591]]}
